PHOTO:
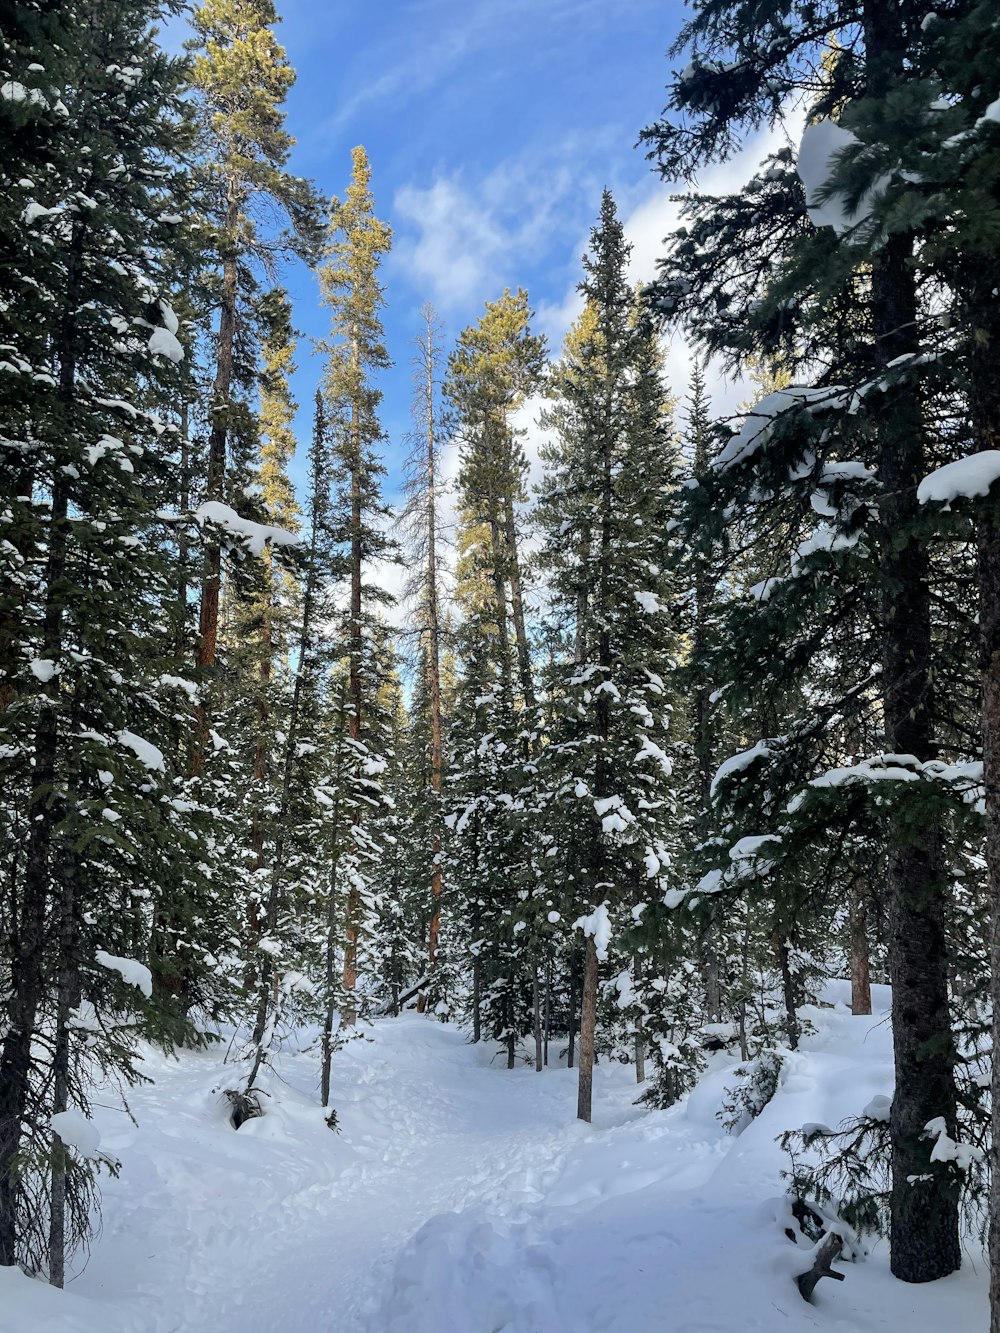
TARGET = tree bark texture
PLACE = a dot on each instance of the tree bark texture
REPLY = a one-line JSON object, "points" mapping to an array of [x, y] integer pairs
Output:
{"points": [[588, 1029]]}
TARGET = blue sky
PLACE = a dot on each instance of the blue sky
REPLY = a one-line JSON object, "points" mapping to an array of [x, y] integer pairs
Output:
{"points": [[491, 127]]}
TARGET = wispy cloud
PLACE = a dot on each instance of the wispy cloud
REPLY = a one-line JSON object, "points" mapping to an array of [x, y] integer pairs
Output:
{"points": [[441, 40], [461, 240]]}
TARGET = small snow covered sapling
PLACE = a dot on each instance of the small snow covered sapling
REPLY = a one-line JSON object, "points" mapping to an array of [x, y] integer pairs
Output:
{"points": [[745, 1101]]}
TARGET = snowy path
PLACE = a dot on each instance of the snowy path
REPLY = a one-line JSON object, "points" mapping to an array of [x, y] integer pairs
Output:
{"points": [[456, 1144], [287, 1226], [464, 1198]]}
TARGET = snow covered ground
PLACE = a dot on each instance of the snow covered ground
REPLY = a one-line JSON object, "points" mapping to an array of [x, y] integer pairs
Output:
{"points": [[461, 1197]]}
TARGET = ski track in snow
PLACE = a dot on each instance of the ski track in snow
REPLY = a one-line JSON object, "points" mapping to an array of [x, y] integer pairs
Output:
{"points": [[461, 1197]]}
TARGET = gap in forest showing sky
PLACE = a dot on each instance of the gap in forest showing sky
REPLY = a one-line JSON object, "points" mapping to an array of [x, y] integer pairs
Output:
{"points": [[492, 127]]}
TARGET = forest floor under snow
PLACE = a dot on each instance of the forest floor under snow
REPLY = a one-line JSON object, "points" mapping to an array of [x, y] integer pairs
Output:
{"points": [[460, 1197]]}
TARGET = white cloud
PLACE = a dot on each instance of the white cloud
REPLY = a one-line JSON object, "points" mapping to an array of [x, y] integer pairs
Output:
{"points": [[460, 241], [452, 247]]}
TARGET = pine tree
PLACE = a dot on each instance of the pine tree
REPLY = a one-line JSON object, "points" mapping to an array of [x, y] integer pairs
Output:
{"points": [[267, 611], [804, 282], [496, 365], [356, 353], [242, 78], [422, 514], [91, 722], [605, 507]]}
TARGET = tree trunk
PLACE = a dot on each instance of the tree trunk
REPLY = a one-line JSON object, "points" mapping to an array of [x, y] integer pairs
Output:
{"points": [[67, 994], [353, 906], [266, 966], [547, 1019], [989, 594], [701, 744], [711, 971], [215, 480], [639, 1041], [433, 649], [924, 1240], [517, 606], [571, 1048], [861, 982], [924, 1201], [787, 990], [259, 778], [22, 538], [984, 404], [27, 947], [588, 1028], [326, 1038], [477, 1018], [537, 1012]]}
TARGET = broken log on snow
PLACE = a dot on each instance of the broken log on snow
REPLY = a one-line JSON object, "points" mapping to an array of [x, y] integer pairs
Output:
{"points": [[828, 1250]]}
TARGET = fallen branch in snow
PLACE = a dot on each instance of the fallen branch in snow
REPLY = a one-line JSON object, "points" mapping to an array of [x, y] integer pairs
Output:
{"points": [[824, 1255], [404, 999], [246, 1105]]}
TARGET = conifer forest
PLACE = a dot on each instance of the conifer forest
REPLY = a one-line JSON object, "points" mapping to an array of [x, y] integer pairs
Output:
{"points": [[528, 861]]}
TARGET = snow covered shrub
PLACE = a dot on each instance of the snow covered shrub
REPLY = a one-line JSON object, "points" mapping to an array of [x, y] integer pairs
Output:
{"points": [[676, 1071], [758, 1083], [806, 1223]]}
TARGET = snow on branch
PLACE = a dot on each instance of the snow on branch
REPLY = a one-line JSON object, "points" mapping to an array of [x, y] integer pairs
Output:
{"points": [[598, 924], [758, 425], [136, 974], [823, 142], [966, 479], [254, 536]]}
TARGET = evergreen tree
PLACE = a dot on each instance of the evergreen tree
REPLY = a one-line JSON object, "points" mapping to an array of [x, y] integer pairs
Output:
{"points": [[496, 365], [356, 353], [795, 289], [605, 508], [242, 78], [424, 487], [91, 726]]}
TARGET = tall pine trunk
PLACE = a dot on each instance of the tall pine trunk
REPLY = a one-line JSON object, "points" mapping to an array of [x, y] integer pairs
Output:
{"points": [[353, 906], [265, 970], [208, 622], [67, 994], [924, 1240], [984, 406], [517, 604], [27, 973], [536, 999], [588, 1028], [433, 650], [639, 1038], [861, 981]]}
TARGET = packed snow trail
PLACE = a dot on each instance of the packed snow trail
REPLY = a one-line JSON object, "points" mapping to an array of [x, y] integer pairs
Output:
{"points": [[460, 1197]]}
